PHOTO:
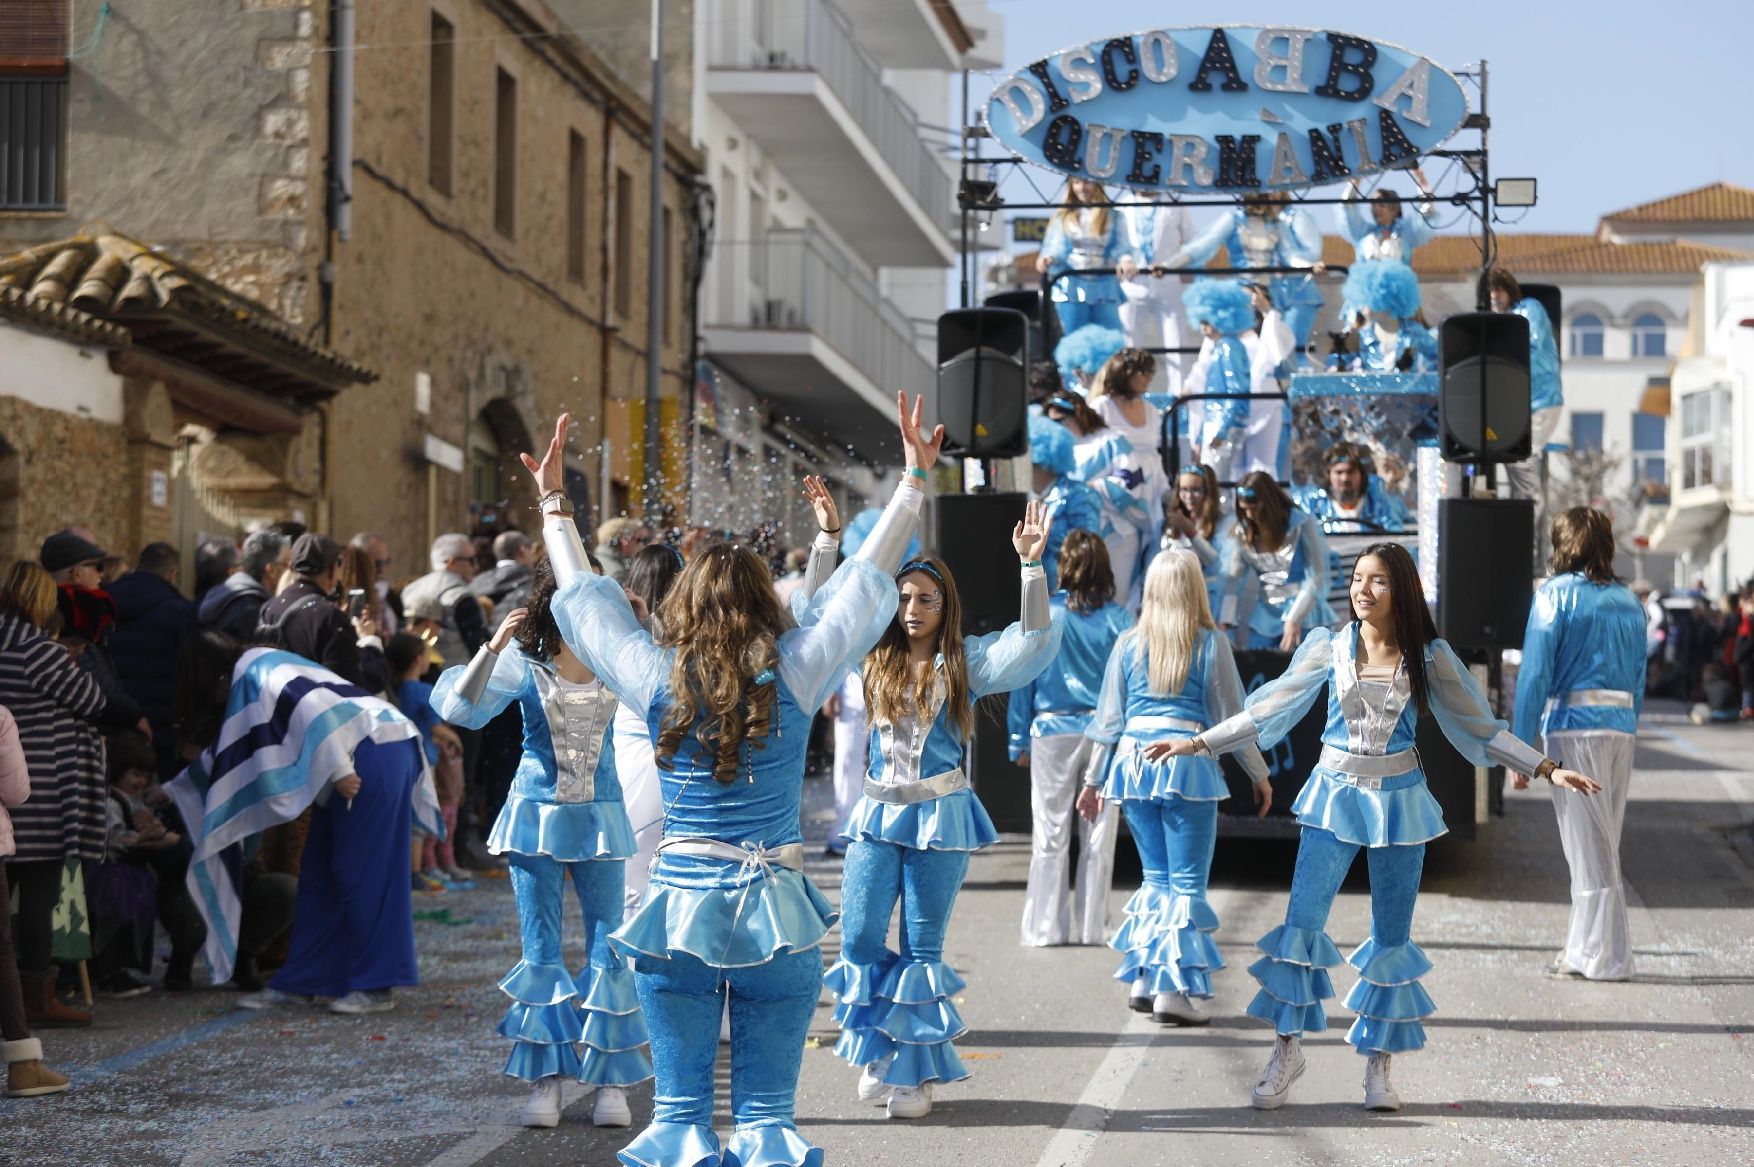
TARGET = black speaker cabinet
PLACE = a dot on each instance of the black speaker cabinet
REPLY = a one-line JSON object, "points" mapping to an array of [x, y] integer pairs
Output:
{"points": [[974, 540], [1485, 569], [1044, 322], [1483, 397], [983, 382]]}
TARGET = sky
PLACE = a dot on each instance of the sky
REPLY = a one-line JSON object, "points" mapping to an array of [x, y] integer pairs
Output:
{"points": [[1607, 104]]}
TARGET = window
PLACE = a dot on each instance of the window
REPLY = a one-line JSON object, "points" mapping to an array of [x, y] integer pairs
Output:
{"points": [[1586, 335], [505, 153], [1650, 336], [441, 103], [33, 104], [1705, 423], [623, 243], [1649, 464], [575, 207], [1586, 433]]}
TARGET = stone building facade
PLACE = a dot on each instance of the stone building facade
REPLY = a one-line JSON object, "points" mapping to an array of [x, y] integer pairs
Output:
{"points": [[492, 273]]}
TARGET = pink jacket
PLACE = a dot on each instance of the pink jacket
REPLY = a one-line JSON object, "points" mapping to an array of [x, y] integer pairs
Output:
{"points": [[14, 778]]}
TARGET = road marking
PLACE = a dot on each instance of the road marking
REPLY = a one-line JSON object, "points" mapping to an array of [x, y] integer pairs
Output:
{"points": [[489, 1139], [1075, 1142], [122, 1063]]}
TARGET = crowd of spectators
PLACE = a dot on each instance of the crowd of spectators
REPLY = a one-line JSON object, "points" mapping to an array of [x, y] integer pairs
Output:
{"points": [[1699, 651]]}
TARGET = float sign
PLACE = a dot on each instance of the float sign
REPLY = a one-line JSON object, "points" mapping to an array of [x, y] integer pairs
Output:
{"points": [[1231, 110]]}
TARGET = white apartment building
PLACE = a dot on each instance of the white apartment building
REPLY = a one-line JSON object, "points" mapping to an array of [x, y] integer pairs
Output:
{"points": [[827, 129], [1709, 521]]}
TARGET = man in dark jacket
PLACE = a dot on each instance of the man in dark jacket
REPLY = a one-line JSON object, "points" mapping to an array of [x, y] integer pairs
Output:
{"points": [[152, 621], [306, 619], [234, 607], [510, 574]]}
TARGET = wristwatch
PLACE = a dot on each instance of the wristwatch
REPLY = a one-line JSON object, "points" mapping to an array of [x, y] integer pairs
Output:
{"points": [[556, 502]]}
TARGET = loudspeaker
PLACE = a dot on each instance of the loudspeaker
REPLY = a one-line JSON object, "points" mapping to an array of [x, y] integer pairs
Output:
{"points": [[983, 382], [1044, 322], [974, 541], [1485, 569], [1483, 399]]}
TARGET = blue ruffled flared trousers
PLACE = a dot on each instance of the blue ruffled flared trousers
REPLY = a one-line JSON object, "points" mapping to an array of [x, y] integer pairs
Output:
{"points": [[898, 1005], [555, 1015], [1388, 997], [1166, 936]]}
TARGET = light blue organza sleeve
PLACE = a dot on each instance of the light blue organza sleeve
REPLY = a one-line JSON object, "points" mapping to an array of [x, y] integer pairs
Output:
{"points": [[1003, 660], [845, 621], [1225, 700], [1302, 239], [598, 624], [510, 672], [1416, 228], [1316, 572], [1353, 221], [1199, 250], [1534, 677], [1271, 711], [1111, 703], [1466, 718]]}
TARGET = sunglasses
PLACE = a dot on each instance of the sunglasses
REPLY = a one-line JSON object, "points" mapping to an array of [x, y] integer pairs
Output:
{"points": [[1247, 493]]}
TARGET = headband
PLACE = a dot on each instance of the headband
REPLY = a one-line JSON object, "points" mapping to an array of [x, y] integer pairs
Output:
{"points": [[1191, 472], [681, 561], [1061, 401], [914, 565], [1342, 459], [1247, 492]]}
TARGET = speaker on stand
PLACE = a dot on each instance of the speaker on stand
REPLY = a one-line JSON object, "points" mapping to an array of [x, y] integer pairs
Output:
{"points": [[983, 382], [1044, 322]]}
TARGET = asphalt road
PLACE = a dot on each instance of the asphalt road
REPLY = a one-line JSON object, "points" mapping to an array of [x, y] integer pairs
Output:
{"points": [[1520, 1069]]}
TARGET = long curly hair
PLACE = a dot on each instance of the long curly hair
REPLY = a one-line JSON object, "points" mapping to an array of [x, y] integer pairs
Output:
{"points": [[1383, 285], [1224, 304], [539, 636], [724, 621], [891, 690]]}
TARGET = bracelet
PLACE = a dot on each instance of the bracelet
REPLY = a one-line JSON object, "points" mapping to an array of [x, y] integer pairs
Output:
{"points": [[917, 473], [828, 530], [1030, 563], [1545, 769], [1200, 747]]}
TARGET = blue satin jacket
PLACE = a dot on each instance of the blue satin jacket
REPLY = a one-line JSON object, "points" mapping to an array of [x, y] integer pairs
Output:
{"points": [[1582, 636], [1063, 697]]}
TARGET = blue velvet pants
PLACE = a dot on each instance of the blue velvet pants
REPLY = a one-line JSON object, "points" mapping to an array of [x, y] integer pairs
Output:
{"points": [[1322, 863]]}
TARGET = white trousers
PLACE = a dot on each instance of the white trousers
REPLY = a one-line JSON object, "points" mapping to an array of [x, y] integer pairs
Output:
{"points": [[1155, 320], [1525, 477], [852, 746], [1051, 913], [1123, 560], [1596, 940], [1260, 448]]}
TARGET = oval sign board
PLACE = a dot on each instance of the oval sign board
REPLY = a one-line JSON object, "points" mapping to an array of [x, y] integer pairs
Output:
{"points": [[1230, 109]]}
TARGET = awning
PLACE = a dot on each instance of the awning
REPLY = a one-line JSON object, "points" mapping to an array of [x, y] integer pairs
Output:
{"points": [[1655, 398]]}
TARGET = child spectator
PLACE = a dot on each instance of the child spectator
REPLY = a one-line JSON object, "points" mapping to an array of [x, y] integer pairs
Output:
{"points": [[410, 659], [125, 886]]}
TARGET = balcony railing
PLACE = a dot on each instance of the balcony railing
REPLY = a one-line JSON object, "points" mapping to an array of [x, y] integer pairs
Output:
{"points": [[814, 36], [800, 282]]}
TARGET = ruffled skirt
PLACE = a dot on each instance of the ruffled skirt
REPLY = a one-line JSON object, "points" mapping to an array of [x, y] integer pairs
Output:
{"points": [[901, 1010], [569, 832], [1194, 779], [954, 822], [596, 1036], [728, 927], [1401, 813], [1388, 997], [1166, 937]]}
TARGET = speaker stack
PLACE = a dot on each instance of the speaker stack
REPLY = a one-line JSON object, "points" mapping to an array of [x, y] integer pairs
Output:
{"points": [[983, 382]]}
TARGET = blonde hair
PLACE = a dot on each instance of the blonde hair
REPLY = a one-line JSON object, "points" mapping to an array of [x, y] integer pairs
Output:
{"points": [[1171, 617], [28, 591], [891, 691], [1066, 215]]}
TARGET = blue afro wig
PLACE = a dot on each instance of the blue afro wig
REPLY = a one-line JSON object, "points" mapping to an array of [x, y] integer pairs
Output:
{"points": [[1383, 285], [1050, 444], [1224, 304], [1085, 350]]}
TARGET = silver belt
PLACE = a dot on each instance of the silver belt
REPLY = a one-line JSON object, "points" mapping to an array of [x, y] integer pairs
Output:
{"points": [[1064, 712], [1613, 698], [756, 855], [1367, 771], [925, 790], [1179, 724]]}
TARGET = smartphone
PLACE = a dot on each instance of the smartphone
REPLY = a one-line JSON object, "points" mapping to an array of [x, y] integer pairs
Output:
{"points": [[356, 602]]}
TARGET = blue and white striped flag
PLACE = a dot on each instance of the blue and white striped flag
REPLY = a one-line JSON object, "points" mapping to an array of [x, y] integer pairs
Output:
{"points": [[290, 730]]}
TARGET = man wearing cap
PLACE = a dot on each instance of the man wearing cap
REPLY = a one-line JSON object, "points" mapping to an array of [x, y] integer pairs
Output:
{"points": [[307, 618], [72, 558]]}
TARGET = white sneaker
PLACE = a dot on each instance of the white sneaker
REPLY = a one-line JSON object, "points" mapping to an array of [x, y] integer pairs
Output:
{"points": [[1177, 1009], [872, 1087], [610, 1107], [1284, 1067], [364, 1001], [270, 998], [910, 1101], [1378, 1093], [542, 1108], [1139, 999]]}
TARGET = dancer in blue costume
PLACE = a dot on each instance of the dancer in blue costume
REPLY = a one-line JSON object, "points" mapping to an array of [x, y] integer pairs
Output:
{"points": [[1193, 522], [1546, 392], [1389, 232], [1222, 311], [1105, 460], [1266, 231], [1046, 719], [1580, 687], [1172, 676], [1382, 672], [563, 822], [919, 821], [1069, 504], [728, 690], [1085, 234], [1276, 569], [1393, 338]]}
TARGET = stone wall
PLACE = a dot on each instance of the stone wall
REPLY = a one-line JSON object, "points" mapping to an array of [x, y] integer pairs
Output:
{"points": [[58, 470]]}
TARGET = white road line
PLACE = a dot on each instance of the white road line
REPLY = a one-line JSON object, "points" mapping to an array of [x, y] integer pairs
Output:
{"points": [[1075, 1142], [489, 1139]]}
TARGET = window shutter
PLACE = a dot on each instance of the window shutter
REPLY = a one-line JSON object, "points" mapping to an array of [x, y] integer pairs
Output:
{"points": [[33, 33]]}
